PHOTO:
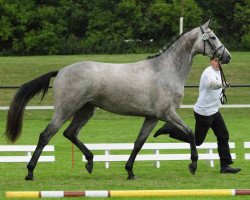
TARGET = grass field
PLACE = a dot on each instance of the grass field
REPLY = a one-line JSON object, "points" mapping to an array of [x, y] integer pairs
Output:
{"points": [[106, 127]]}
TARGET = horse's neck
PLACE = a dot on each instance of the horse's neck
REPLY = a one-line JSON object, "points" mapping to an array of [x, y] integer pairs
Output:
{"points": [[181, 54]]}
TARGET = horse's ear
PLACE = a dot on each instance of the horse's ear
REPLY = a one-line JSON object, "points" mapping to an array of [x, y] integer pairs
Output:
{"points": [[206, 25]]}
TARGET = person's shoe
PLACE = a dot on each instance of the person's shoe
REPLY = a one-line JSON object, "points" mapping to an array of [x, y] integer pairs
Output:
{"points": [[173, 132], [166, 129], [230, 170]]}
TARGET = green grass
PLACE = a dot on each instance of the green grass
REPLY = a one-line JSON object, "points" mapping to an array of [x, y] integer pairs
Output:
{"points": [[106, 127]]}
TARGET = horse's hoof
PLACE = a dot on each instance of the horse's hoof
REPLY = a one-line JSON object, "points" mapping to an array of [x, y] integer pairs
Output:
{"points": [[89, 168], [132, 178], [29, 178], [192, 168]]}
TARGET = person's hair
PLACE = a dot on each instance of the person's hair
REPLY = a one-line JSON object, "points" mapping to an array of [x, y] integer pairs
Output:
{"points": [[213, 58]]}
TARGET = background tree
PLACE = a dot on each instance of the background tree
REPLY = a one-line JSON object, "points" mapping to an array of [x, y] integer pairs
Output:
{"points": [[39, 27], [230, 20]]}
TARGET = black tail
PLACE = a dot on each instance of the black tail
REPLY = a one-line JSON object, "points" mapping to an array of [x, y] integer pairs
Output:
{"points": [[26, 92]]}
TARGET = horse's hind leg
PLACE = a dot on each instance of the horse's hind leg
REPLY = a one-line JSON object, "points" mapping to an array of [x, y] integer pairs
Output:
{"points": [[79, 120], [44, 139], [146, 129]]}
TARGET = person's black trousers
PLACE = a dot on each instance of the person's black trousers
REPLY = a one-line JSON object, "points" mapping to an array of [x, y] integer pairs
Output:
{"points": [[216, 122]]}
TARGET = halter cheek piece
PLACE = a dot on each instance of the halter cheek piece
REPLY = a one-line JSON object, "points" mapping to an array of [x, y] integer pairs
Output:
{"points": [[205, 38], [223, 97]]}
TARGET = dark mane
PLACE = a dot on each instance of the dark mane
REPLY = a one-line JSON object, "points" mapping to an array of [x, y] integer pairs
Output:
{"points": [[166, 47]]}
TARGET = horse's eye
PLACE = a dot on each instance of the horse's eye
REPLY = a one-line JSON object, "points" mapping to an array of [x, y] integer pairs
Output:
{"points": [[213, 38]]}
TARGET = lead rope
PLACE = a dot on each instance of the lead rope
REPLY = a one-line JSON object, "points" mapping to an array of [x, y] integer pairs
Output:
{"points": [[223, 97]]}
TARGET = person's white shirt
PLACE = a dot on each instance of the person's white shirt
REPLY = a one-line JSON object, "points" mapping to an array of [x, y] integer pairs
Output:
{"points": [[210, 88]]}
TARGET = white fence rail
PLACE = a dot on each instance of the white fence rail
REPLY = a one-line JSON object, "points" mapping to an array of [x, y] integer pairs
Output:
{"points": [[27, 150]]}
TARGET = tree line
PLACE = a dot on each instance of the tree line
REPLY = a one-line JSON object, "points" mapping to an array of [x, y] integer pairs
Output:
{"points": [[43, 27]]}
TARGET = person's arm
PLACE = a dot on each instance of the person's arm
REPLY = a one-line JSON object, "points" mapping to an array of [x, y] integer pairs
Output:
{"points": [[212, 83]]}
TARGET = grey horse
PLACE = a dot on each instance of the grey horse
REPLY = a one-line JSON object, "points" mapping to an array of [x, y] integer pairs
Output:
{"points": [[151, 88]]}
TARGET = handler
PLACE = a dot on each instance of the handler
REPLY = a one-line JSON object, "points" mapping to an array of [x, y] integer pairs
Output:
{"points": [[207, 115]]}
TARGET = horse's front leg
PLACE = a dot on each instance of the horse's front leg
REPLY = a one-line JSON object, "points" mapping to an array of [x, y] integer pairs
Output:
{"points": [[175, 120], [147, 127]]}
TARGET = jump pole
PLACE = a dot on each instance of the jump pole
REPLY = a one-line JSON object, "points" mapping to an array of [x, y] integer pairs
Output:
{"points": [[127, 193]]}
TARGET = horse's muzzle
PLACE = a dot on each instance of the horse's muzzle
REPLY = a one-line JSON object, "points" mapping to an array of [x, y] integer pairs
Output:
{"points": [[226, 57], [226, 60]]}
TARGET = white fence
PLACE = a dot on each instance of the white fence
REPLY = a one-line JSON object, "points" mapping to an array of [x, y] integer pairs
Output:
{"points": [[114, 152], [156, 156]]}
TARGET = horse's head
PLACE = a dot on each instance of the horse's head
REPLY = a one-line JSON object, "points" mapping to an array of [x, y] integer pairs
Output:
{"points": [[210, 45]]}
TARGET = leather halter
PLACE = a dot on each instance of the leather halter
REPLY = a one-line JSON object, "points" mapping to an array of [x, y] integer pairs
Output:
{"points": [[205, 38], [223, 97]]}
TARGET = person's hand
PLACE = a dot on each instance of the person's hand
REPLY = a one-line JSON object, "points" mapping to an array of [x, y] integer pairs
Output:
{"points": [[227, 85]]}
